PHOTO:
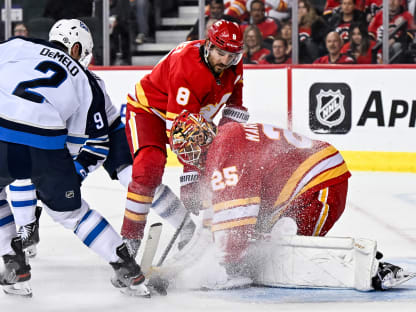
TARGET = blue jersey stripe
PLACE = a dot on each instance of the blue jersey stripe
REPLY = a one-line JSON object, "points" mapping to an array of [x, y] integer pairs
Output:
{"points": [[95, 232], [34, 140], [96, 150], [22, 188], [85, 217], [24, 203], [76, 140], [6, 220]]}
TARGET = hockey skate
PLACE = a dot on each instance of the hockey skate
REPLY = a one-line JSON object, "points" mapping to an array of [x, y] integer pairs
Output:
{"points": [[30, 235], [389, 276], [16, 276], [128, 275]]}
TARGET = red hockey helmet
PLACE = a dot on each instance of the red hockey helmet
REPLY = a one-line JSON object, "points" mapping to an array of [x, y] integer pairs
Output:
{"points": [[227, 36], [190, 133]]}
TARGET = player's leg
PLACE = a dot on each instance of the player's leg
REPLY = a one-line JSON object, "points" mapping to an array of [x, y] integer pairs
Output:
{"points": [[26, 213], [16, 273], [316, 212], [146, 135], [58, 188]]}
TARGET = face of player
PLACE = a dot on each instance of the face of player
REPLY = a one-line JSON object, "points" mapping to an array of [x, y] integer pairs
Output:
{"points": [[279, 49], [216, 10], [219, 60], [257, 12], [347, 6], [333, 43], [356, 36]]}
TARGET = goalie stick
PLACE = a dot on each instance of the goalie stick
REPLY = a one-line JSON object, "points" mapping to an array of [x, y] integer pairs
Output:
{"points": [[150, 249], [172, 241]]}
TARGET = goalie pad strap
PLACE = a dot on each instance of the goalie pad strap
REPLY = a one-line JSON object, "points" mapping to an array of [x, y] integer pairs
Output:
{"points": [[235, 114]]}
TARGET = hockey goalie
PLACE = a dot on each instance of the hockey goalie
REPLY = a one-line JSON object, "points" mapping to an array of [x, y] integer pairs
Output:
{"points": [[271, 196]]}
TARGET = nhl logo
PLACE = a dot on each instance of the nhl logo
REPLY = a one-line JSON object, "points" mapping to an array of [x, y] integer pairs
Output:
{"points": [[330, 108]]}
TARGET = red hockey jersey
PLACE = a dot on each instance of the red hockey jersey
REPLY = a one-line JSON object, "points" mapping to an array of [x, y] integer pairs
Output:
{"points": [[255, 170], [182, 80]]}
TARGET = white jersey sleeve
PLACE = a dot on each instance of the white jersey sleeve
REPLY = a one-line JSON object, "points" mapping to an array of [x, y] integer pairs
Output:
{"points": [[45, 92]]}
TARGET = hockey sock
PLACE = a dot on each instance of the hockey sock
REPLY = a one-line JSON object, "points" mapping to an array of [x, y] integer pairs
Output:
{"points": [[96, 233], [23, 199]]}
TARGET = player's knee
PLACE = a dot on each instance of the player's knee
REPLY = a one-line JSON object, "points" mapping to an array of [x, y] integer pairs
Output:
{"points": [[148, 167], [69, 219]]}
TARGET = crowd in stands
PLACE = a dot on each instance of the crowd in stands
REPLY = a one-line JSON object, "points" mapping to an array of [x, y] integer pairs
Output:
{"points": [[330, 31], [340, 32]]}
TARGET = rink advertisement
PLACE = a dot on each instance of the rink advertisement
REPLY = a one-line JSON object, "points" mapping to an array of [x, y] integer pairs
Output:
{"points": [[366, 112], [369, 113]]}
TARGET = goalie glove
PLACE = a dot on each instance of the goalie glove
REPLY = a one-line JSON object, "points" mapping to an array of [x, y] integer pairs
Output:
{"points": [[234, 113]]}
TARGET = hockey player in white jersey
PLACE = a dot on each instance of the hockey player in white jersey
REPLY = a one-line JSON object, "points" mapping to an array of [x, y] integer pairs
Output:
{"points": [[117, 164], [47, 95]]}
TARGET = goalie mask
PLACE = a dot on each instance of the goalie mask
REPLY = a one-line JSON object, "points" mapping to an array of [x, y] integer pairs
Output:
{"points": [[71, 31], [190, 135]]}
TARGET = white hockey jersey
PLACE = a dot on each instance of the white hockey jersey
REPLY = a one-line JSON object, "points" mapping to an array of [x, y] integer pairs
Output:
{"points": [[44, 94]]}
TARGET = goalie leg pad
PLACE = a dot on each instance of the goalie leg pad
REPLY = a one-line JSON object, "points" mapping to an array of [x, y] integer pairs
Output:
{"points": [[303, 261]]}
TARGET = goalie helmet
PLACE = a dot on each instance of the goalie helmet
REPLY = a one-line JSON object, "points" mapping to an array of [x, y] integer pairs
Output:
{"points": [[190, 134], [226, 36], [71, 31]]}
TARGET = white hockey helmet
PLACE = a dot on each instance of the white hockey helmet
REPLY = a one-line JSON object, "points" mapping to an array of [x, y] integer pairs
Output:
{"points": [[71, 31]]}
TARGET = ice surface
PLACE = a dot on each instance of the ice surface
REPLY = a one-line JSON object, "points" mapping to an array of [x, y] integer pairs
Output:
{"points": [[67, 276]]}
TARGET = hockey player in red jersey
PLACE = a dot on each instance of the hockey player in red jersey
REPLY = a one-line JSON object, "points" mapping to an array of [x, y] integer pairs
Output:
{"points": [[258, 175], [200, 76]]}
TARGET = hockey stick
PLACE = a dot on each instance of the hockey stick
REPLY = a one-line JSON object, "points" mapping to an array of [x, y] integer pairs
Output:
{"points": [[152, 242], [172, 241]]}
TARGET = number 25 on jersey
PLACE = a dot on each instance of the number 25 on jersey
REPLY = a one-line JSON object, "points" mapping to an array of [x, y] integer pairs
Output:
{"points": [[227, 177]]}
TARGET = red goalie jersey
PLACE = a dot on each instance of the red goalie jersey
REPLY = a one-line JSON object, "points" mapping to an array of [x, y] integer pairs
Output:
{"points": [[182, 80], [258, 173]]}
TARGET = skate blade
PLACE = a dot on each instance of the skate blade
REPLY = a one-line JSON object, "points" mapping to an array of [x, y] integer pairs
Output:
{"points": [[406, 276], [136, 291], [21, 289], [31, 251]]}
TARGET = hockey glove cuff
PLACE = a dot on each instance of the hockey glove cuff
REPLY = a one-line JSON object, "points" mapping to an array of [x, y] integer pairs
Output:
{"points": [[81, 171]]}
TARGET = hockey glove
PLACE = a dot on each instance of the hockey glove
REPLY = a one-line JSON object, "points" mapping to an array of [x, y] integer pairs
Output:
{"points": [[81, 171]]}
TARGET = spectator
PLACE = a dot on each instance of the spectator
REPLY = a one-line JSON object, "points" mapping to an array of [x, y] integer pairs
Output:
{"points": [[253, 46], [120, 32], [312, 30], [334, 5], [397, 16], [286, 33], [278, 54], [371, 8], [268, 26], [142, 19], [334, 43], [216, 12], [340, 20], [20, 29], [360, 45]]}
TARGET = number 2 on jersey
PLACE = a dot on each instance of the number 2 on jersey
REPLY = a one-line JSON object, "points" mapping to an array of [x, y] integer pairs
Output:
{"points": [[23, 88], [228, 177]]}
